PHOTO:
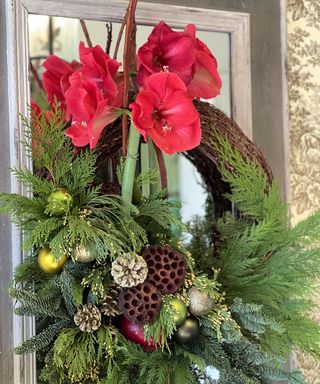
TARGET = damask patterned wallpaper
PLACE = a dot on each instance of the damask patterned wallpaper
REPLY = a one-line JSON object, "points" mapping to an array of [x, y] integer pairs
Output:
{"points": [[304, 115]]}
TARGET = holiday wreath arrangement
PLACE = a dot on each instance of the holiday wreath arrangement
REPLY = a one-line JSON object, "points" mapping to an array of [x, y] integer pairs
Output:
{"points": [[117, 295]]}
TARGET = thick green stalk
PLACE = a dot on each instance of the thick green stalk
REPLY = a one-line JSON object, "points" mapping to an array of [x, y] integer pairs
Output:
{"points": [[130, 164]]}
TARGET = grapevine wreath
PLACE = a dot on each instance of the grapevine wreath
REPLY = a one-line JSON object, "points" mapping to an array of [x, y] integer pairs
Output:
{"points": [[119, 295]]}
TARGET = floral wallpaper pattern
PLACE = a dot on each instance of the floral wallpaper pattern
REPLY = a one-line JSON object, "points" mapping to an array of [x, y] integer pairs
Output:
{"points": [[304, 104], [304, 116]]}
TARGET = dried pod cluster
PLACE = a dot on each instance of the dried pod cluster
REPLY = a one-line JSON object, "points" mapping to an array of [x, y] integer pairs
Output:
{"points": [[166, 268], [140, 304]]}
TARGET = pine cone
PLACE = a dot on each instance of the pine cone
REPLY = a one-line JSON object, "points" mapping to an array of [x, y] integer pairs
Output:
{"points": [[129, 270], [88, 319], [109, 305]]}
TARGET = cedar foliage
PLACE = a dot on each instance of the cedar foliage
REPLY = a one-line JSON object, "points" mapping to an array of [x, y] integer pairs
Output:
{"points": [[261, 281]]}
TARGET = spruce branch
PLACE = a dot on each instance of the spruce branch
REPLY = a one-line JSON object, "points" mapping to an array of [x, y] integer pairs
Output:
{"points": [[43, 339]]}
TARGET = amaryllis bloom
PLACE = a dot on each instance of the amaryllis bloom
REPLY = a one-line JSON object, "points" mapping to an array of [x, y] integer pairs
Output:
{"points": [[55, 79], [183, 54], [165, 112], [100, 68], [206, 82], [91, 112], [166, 50]]}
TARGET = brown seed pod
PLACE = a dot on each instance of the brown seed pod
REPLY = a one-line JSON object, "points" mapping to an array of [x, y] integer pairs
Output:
{"points": [[166, 268], [140, 304]]}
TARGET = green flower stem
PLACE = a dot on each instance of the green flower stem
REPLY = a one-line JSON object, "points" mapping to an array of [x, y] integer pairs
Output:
{"points": [[155, 187], [149, 161], [130, 164], [145, 166]]}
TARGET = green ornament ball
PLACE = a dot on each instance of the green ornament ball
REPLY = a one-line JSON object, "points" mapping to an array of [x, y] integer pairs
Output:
{"points": [[59, 202], [200, 302], [188, 331], [180, 311]]}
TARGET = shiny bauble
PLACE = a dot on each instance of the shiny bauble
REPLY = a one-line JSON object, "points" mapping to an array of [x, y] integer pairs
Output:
{"points": [[188, 331], [59, 202], [83, 254], [134, 332], [179, 310], [48, 263], [200, 302]]}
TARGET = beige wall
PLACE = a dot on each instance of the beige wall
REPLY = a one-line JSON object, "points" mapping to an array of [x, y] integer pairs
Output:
{"points": [[304, 115]]}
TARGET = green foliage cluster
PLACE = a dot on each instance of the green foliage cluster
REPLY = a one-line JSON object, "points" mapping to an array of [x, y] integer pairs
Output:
{"points": [[260, 273], [104, 223], [268, 272]]}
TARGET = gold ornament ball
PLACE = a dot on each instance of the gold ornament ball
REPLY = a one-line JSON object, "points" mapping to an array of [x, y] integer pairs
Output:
{"points": [[48, 263], [83, 254], [59, 202], [188, 331], [200, 302], [180, 310]]}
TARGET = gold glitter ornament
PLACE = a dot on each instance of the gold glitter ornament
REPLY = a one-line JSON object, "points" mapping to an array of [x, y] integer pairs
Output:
{"points": [[200, 302], [83, 254]]}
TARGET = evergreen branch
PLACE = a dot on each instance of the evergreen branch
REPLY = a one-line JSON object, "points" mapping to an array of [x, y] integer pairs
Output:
{"points": [[161, 211], [45, 302], [32, 182], [76, 350], [41, 340], [163, 328], [66, 284]]}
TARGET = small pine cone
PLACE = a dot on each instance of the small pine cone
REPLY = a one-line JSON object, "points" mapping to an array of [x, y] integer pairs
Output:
{"points": [[88, 319], [109, 305], [129, 270]]}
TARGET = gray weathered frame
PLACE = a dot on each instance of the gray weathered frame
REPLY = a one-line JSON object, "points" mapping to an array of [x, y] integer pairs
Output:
{"points": [[14, 95]]}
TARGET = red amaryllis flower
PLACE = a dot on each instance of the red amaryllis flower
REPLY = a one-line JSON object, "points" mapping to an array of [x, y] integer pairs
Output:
{"points": [[165, 112], [166, 50], [100, 68], [55, 79], [206, 82], [90, 111], [183, 54]]}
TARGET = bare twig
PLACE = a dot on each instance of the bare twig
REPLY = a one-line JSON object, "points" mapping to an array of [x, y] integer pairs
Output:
{"points": [[116, 48], [109, 37], [51, 35], [128, 62], [35, 75], [86, 33]]}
